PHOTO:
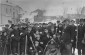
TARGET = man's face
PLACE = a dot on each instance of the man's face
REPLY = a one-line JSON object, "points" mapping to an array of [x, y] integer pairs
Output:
{"points": [[37, 32], [66, 23], [52, 42], [52, 29], [46, 30], [72, 22], [6, 27], [3, 28], [29, 28], [36, 43]]}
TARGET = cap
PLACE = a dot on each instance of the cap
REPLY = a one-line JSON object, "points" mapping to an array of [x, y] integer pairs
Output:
{"points": [[81, 20], [6, 25], [66, 20]]}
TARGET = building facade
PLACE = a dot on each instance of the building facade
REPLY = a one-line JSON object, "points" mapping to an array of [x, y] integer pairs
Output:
{"points": [[9, 11], [83, 11]]}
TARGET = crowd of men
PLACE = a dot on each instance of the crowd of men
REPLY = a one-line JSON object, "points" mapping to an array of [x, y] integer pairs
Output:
{"points": [[43, 38]]}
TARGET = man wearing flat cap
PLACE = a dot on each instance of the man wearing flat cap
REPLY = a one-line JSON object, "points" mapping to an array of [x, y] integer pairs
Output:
{"points": [[15, 36], [80, 37]]}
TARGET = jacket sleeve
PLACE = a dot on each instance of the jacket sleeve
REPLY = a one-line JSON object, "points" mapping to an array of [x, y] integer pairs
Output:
{"points": [[72, 29]]}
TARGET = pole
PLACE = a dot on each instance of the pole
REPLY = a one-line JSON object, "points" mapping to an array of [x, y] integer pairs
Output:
{"points": [[6, 0], [5, 50], [1, 52], [76, 50], [32, 43], [18, 48], [10, 46], [26, 46], [1, 14], [77, 36]]}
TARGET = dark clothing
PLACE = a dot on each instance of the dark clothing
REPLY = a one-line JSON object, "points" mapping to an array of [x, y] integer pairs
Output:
{"points": [[45, 38], [74, 36], [80, 45], [60, 29], [15, 38], [22, 41], [68, 34]]}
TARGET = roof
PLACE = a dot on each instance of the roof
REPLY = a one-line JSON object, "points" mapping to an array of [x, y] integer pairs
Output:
{"points": [[8, 3], [76, 16]]}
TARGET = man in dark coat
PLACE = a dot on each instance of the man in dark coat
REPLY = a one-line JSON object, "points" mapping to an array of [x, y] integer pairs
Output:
{"points": [[4, 40], [68, 36], [22, 40], [81, 32], [74, 27], [15, 36]]}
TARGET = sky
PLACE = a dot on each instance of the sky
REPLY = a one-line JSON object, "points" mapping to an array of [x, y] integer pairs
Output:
{"points": [[52, 7]]}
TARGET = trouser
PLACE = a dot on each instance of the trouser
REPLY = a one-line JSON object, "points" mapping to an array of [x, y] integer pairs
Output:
{"points": [[79, 45], [67, 50], [14, 46], [8, 49], [83, 49], [22, 48], [73, 47]]}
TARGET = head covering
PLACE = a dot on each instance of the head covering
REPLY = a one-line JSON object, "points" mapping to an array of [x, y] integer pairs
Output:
{"points": [[66, 20], [6, 25], [81, 20], [84, 20], [9, 21], [58, 21]]}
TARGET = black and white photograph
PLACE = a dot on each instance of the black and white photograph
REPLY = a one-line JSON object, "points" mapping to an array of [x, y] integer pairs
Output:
{"points": [[42, 27]]}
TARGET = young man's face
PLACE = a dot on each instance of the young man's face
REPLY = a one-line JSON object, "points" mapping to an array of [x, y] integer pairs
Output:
{"points": [[37, 32], [72, 22], [52, 29], [67, 22], [52, 42], [3, 28], [36, 43], [29, 28], [46, 30], [6, 27]]}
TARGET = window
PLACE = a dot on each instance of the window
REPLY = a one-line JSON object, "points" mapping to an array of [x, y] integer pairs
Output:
{"points": [[13, 14], [6, 11], [10, 10]]}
